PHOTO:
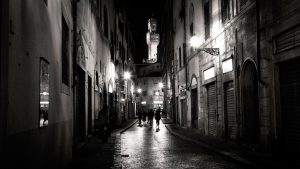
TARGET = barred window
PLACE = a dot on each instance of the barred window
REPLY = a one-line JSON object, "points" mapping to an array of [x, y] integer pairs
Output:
{"points": [[191, 19], [225, 8], [65, 52], [105, 22], [207, 18]]}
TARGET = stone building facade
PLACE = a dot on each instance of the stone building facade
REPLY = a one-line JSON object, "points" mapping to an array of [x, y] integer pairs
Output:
{"points": [[241, 92], [59, 63]]}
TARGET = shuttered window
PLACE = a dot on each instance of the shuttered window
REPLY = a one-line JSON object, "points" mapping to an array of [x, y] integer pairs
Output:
{"points": [[290, 107], [211, 107]]}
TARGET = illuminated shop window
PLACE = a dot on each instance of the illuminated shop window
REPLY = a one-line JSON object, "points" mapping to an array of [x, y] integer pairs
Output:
{"points": [[227, 65], [44, 93], [209, 73]]}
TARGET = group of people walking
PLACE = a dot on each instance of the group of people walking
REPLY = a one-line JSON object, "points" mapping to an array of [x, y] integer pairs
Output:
{"points": [[147, 117]]}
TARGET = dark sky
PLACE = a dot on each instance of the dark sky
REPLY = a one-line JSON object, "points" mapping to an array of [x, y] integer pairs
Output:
{"points": [[139, 13]]}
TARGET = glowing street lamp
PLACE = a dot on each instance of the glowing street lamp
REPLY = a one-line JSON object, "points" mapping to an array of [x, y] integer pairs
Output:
{"points": [[161, 85], [195, 41], [139, 90], [126, 75]]}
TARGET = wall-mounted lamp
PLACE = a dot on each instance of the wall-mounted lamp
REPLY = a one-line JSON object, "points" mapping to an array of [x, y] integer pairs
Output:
{"points": [[196, 42]]}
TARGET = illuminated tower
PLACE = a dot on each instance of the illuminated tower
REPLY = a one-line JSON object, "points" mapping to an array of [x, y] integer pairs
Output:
{"points": [[152, 40]]}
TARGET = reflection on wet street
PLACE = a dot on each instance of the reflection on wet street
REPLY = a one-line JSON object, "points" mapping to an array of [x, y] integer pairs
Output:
{"points": [[144, 147]]}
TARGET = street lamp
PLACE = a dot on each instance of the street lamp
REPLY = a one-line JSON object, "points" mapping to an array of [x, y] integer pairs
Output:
{"points": [[160, 85], [127, 75], [139, 90]]}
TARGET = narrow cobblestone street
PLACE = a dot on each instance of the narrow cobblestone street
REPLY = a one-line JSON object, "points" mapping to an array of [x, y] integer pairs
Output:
{"points": [[144, 147]]}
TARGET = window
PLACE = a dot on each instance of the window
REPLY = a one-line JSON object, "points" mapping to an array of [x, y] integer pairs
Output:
{"points": [[191, 19], [209, 73], [44, 93], [105, 22], [112, 50], [225, 8], [144, 93], [100, 66], [180, 61], [46, 2], [97, 79], [183, 55], [65, 52], [207, 18], [99, 9], [227, 66]]}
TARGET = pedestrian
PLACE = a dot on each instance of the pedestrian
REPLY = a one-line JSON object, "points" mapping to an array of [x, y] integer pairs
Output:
{"points": [[150, 116], [144, 117], [104, 122], [139, 113], [157, 118]]}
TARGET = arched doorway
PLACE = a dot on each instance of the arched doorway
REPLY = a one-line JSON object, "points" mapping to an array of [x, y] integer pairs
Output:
{"points": [[194, 103], [250, 116]]}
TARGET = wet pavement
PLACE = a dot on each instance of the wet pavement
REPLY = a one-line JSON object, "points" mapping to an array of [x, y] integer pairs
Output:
{"points": [[144, 147]]}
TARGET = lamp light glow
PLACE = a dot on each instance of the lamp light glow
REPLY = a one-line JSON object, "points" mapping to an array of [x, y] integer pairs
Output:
{"points": [[127, 75], [195, 41], [160, 85]]}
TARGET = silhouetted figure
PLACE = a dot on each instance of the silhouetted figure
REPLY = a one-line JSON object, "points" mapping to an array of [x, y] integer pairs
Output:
{"points": [[104, 122], [144, 117], [150, 116], [140, 116], [157, 118]]}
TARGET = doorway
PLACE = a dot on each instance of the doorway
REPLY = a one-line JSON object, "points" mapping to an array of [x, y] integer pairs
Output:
{"points": [[289, 76], [90, 110], [183, 112], [230, 113], [194, 108], [250, 104], [80, 106], [177, 111], [211, 109]]}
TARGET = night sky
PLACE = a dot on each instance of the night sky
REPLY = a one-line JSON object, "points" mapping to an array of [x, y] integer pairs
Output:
{"points": [[139, 13]]}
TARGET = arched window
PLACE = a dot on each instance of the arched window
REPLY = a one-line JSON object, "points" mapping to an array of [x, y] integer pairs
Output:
{"points": [[105, 22], [191, 19]]}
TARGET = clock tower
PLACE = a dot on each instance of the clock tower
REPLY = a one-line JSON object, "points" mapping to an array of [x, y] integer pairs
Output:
{"points": [[152, 40]]}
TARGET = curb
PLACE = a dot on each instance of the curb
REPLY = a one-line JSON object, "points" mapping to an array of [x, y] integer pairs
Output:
{"points": [[129, 126], [217, 151]]}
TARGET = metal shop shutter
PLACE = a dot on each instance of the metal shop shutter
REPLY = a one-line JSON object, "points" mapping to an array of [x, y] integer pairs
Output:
{"points": [[211, 106], [289, 73], [231, 127]]}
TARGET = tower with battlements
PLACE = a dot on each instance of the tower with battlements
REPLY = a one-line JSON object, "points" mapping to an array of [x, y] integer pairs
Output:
{"points": [[152, 40]]}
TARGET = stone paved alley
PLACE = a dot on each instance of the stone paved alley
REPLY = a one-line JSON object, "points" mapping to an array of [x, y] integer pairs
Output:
{"points": [[143, 147]]}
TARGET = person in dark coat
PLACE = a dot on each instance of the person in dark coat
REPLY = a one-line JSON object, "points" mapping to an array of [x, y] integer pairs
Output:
{"points": [[150, 116], [140, 115], [157, 117], [144, 117]]}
